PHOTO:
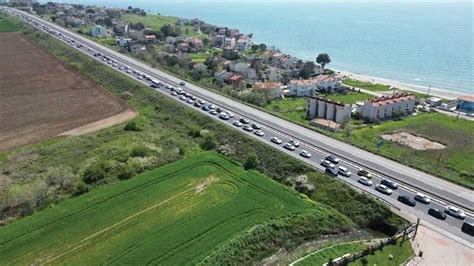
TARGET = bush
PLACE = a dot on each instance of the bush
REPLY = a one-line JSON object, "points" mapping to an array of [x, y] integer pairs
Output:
{"points": [[139, 151], [132, 126], [96, 171], [209, 143], [125, 171], [81, 188], [251, 162]]}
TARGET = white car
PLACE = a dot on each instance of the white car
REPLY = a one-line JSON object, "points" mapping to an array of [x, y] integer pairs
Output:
{"points": [[224, 116], [237, 123], [259, 133], [305, 154], [422, 198], [182, 98], [455, 212], [365, 181], [327, 164], [290, 147], [230, 114], [383, 189], [344, 171], [294, 143], [276, 140]]}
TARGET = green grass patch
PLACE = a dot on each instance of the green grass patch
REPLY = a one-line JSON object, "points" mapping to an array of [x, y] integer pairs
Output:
{"points": [[455, 163], [366, 85], [6, 25], [401, 252], [155, 22], [323, 256], [172, 215], [293, 109], [350, 97]]}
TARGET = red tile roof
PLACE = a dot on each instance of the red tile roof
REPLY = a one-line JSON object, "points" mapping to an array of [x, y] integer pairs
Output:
{"points": [[267, 85], [467, 98], [384, 100], [303, 82]]}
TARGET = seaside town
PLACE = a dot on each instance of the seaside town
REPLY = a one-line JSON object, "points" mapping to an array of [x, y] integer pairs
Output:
{"points": [[227, 60]]}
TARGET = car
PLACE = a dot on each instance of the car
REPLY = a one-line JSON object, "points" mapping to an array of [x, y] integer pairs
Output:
{"points": [[455, 212], [364, 173], [383, 189], [248, 128], [331, 171], [173, 93], [237, 123], [468, 228], [179, 91], [289, 147], [389, 183], [294, 143], [189, 100], [365, 181], [327, 164], [192, 97], [332, 159], [120, 67], [197, 104], [187, 94], [422, 198], [344, 171], [202, 102], [182, 98], [259, 133], [276, 140], [244, 121], [256, 126], [182, 83], [230, 114], [212, 106], [139, 77], [437, 213], [218, 109], [129, 71], [205, 108], [305, 154], [406, 200], [213, 112], [224, 116]]}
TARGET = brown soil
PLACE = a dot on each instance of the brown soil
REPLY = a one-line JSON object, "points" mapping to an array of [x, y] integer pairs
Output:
{"points": [[414, 142], [40, 97]]}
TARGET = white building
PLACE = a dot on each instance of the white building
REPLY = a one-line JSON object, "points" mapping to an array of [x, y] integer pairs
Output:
{"points": [[302, 87], [98, 31], [323, 111], [244, 43], [272, 89], [229, 42], [327, 83], [386, 107]]}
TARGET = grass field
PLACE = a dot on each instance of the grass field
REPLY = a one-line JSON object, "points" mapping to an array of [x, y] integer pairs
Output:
{"points": [[7, 25], [322, 256], [455, 163], [172, 215], [366, 85], [155, 22], [350, 97], [401, 252]]}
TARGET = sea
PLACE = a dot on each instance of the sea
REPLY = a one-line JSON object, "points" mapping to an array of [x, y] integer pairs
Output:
{"points": [[424, 44]]}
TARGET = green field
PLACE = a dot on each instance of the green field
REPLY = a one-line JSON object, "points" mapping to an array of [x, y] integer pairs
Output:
{"points": [[455, 162], [366, 85], [350, 97], [7, 25], [293, 109], [322, 256], [401, 252], [155, 22], [172, 215]]}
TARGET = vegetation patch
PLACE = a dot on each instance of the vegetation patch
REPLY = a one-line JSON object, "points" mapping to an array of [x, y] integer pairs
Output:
{"points": [[172, 215], [366, 85], [6, 25], [328, 254], [392, 254]]}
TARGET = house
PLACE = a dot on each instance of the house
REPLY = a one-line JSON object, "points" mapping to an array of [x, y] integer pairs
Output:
{"points": [[302, 87], [182, 47], [272, 89], [230, 42], [150, 39], [123, 42], [98, 31], [243, 69], [327, 83], [386, 107], [466, 104], [244, 43], [326, 113], [136, 48], [434, 101], [287, 61], [219, 40], [197, 44], [235, 80], [272, 74], [223, 76]]}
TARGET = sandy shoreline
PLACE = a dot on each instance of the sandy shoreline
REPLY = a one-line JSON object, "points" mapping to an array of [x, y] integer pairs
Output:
{"points": [[404, 86]]}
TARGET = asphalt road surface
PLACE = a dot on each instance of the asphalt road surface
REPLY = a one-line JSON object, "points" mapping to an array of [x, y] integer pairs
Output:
{"points": [[410, 181]]}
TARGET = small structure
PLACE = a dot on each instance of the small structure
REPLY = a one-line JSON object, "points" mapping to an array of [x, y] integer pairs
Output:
{"points": [[150, 39], [197, 44], [272, 89], [235, 80], [223, 76], [183, 47], [466, 104], [302, 87], [386, 107], [98, 31], [327, 113], [434, 101], [123, 42], [244, 43]]}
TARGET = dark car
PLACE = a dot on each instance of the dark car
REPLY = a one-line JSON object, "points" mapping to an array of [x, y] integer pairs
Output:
{"points": [[332, 159], [406, 200], [365, 173], [437, 213], [256, 126], [205, 108], [468, 228], [218, 109], [389, 183], [244, 121], [197, 104], [331, 171]]}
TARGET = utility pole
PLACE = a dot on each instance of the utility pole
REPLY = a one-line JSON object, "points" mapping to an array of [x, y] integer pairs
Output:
{"points": [[439, 159], [416, 227], [428, 93]]}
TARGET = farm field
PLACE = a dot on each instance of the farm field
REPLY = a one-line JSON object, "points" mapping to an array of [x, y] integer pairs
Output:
{"points": [[172, 215], [40, 97]]}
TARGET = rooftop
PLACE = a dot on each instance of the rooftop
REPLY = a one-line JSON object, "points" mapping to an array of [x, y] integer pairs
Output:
{"points": [[399, 97], [267, 85], [303, 82], [467, 98]]}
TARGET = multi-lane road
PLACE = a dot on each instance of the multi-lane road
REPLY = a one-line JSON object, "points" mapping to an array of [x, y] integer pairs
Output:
{"points": [[410, 181]]}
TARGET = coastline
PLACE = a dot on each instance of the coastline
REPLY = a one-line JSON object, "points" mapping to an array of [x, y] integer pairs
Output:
{"points": [[450, 95]]}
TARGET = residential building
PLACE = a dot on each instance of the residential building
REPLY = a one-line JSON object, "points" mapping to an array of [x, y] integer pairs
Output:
{"points": [[272, 74], [219, 40], [136, 48], [434, 101], [244, 43], [243, 69], [232, 32], [466, 104], [302, 87], [197, 44], [386, 107], [123, 42], [150, 39], [272, 89], [327, 83], [230, 42], [326, 113], [236, 81], [223, 76], [183, 47], [98, 31]]}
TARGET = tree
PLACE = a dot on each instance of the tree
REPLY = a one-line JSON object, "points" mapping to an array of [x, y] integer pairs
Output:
{"points": [[209, 143], [255, 47], [307, 70], [263, 47], [323, 59], [251, 162]]}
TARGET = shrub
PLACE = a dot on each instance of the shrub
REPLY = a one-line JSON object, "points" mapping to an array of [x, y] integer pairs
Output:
{"points": [[132, 126], [96, 171], [251, 162], [209, 143], [139, 151]]}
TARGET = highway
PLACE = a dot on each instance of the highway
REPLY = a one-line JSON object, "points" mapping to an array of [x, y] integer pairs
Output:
{"points": [[410, 180]]}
